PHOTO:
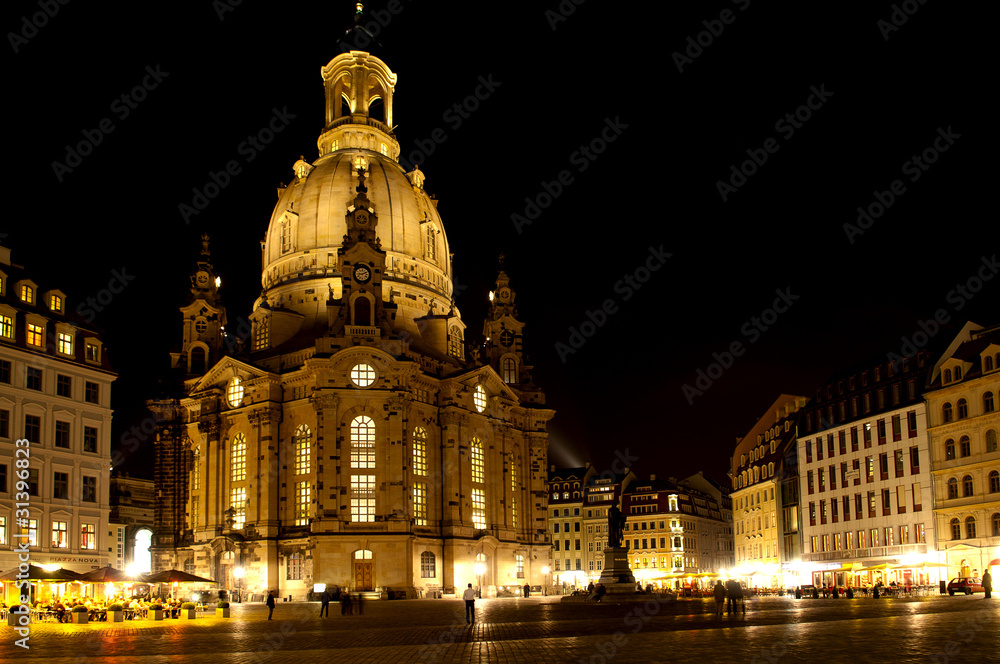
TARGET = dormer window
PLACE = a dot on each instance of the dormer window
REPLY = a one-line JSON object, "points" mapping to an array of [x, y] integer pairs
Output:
{"points": [[36, 335], [64, 343], [56, 303], [946, 378], [6, 326], [92, 351], [27, 294], [262, 334], [430, 247]]}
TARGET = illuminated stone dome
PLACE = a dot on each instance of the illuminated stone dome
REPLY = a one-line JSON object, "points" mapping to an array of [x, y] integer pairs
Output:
{"points": [[299, 267]]}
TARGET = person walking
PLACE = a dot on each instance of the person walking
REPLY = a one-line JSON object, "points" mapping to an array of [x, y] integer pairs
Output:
{"points": [[988, 583], [359, 605], [324, 604], [720, 597], [527, 590], [731, 592], [345, 603], [470, 604], [270, 604]]}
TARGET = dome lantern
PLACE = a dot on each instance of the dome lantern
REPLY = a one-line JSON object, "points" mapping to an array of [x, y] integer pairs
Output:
{"points": [[359, 89]]}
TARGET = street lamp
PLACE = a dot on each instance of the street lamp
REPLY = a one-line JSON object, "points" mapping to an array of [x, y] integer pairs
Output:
{"points": [[238, 573], [480, 570], [545, 587]]}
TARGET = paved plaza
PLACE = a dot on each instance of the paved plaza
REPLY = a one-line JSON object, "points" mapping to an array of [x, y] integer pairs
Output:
{"points": [[775, 629]]}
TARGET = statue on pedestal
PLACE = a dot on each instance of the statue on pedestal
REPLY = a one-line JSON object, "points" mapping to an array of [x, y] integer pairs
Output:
{"points": [[616, 526]]}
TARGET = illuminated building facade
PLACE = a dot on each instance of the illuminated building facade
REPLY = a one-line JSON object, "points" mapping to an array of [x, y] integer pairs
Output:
{"points": [[55, 391], [865, 476], [357, 438], [765, 498], [964, 423]]}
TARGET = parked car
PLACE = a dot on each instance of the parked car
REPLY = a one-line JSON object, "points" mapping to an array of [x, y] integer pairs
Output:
{"points": [[967, 585]]}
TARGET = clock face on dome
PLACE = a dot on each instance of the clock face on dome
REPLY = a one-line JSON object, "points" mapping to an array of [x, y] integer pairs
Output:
{"points": [[202, 278], [503, 294], [361, 218], [362, 274]]}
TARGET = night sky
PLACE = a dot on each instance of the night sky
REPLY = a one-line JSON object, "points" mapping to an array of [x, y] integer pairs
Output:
{"points": [[739, 138]]}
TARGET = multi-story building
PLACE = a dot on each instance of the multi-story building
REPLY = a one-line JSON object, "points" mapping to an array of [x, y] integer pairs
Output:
{"points": [[765, 498], [865, 476], [55, 424], [354, 438], [116, 545], [566, 488], [133, 505], [676, 530], [964, 424]]}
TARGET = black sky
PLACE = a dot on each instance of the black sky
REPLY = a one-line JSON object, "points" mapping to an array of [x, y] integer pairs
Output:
{"points": [[883, 100]]}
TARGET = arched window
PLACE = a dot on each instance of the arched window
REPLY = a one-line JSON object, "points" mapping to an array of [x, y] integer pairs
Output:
{"points": [[991, 440], [996, 524], [965, 446], [949, 449], [970, 527], [946, 412], [303, 450], [952, 488], [455, 342], [362, 554], [141, 558], [519, 565], [362, 442], [238, 458], [509, 370], [994, 481], [420, 451], [197, 360], [958, 373], [427, 565], [987, 363], [946, 378], [196, 470], [967, 485], [430, 243], [362, 311], [988, 404], [956, 529], [376, 109], [963, 409]]}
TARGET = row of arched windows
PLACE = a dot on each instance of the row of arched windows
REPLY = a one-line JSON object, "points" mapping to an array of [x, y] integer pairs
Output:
{"points": [[967, 485], [970, 527], [948, 412], [964, 446]]}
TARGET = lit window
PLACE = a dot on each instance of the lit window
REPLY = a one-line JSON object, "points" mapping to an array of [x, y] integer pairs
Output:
{"points": [[420, 451], [196, 470], [479, 398], [55, 303], [93, 352], [384, 149], [59, 535], [509, 370], [455, 342], [27, 294], [430, 252], [478, 462], [88, 537], [294, 572], [303, 450], [3, 531], [513, 495], [302, 501], [261, 334], [362, 498], [362, 375], [6, 327], [427, 565], [479, 508], [36, 335], [64, 343], [238, 457], [32, 532], [362, 442], [238, 501], [234, 393], [419, 504], [519, 565], [286, 236]]}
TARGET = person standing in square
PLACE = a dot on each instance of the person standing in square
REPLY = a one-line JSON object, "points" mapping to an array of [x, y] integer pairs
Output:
{"points": [[470, 604]]}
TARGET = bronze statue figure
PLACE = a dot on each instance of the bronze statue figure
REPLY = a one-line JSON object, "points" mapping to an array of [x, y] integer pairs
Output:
{"points": [[616, 526]]}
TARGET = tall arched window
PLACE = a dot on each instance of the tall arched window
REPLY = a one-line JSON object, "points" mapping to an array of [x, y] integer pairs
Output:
{"points": [[362, 442], [420, 451], [430, 243], [991, 440], [196, 470], [946, 377], [970, 527], [967, 485], [478, 478], [965, 446], [947, 413], [362, 490], [455, 342], [963, 409], [303, 450], [362, 311], [994, 481], [988, 404], [509, 370], [238, 458], [987, 363], [952, 488], [519, 565], [996, 524], [197, 360], [949, 449], [956, 529]]}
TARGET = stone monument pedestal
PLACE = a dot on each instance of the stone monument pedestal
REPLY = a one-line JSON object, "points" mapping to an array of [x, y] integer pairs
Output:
{"points": [[616, 575]]}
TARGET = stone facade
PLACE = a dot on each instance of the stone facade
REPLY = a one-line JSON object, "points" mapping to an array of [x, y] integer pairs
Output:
{"points": [[354, 438]]}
